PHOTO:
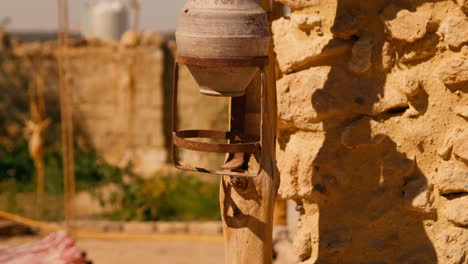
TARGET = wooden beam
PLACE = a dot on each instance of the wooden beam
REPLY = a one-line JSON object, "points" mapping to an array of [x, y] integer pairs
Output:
{"points": [[66, 113], [247, 204]]}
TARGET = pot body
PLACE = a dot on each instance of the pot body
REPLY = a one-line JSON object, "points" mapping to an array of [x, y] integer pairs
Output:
{"points": [[223, 29]]}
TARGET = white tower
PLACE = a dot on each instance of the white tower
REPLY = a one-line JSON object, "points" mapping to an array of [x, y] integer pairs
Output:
{"points": [[108, 20]]}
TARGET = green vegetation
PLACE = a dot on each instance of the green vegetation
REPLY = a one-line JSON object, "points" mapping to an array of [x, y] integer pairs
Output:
{"points": [[163, 197], [15, 164], [179, 197]]}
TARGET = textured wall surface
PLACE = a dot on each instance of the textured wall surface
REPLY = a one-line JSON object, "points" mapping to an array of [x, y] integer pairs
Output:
{"points": [[373, 129], [122, 95], [118, 97]]}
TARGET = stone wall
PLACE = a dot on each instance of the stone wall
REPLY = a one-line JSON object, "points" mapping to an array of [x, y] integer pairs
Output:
{"points": [[118, 97], [373, 130], [122, 95]]}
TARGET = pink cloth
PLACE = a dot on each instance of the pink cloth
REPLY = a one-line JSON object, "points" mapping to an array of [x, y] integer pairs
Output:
{"points": [[57, 248]]}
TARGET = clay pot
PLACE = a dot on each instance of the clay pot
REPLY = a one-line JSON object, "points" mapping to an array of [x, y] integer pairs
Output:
{"points": [[223, 29]]}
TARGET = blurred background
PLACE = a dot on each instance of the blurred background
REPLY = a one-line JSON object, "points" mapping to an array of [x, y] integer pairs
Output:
{"points": [[23, 14], [119, 72]]}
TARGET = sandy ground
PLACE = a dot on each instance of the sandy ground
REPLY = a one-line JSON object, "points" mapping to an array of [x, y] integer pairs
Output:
{"points": [[153, 252], [105, 252]]}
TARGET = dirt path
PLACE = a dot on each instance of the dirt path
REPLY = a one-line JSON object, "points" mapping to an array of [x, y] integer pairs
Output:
{"points": [[102, 252], [105, 252]]}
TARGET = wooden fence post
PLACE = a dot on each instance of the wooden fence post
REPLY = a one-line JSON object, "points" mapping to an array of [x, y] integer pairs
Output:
{"points": [[247, 204]]}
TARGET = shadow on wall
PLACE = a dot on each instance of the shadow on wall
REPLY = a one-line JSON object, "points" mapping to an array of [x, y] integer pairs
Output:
{"points": [[358, 174]]}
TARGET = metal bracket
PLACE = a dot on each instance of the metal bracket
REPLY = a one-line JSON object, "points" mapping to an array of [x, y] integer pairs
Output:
{"points": [[246, 144]]}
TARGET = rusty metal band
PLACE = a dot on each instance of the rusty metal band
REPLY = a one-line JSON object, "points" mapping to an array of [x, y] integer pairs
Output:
{"points": [[217, 172], [175, 85], [224, 62], [217, 135], [180, 140], [182, 135]]}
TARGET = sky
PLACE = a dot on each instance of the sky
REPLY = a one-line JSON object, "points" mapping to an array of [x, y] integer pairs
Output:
{"points": [[26, 15]]}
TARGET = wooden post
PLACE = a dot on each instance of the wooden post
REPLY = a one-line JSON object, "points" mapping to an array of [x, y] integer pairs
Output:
{"points": [[37, 127], [247, 204], [280, 214], [135, 5], [66, 113]]}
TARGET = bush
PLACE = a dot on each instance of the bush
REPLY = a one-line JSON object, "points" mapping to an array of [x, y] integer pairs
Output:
{"points": [[15, 164], [178, 197]]}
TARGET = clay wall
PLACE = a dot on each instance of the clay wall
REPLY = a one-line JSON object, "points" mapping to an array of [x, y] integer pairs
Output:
{"points": [[122, 96]]}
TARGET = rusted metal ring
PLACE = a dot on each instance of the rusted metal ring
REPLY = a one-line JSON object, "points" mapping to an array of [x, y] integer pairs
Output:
{"points": [[224, 62], [180, 140], [218, 172], [181, 136]]}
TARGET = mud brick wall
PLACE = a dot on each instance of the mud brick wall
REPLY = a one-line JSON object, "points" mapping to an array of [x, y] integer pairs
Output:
{"points": [[373, 129], [118, 99], [122, 99]]}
